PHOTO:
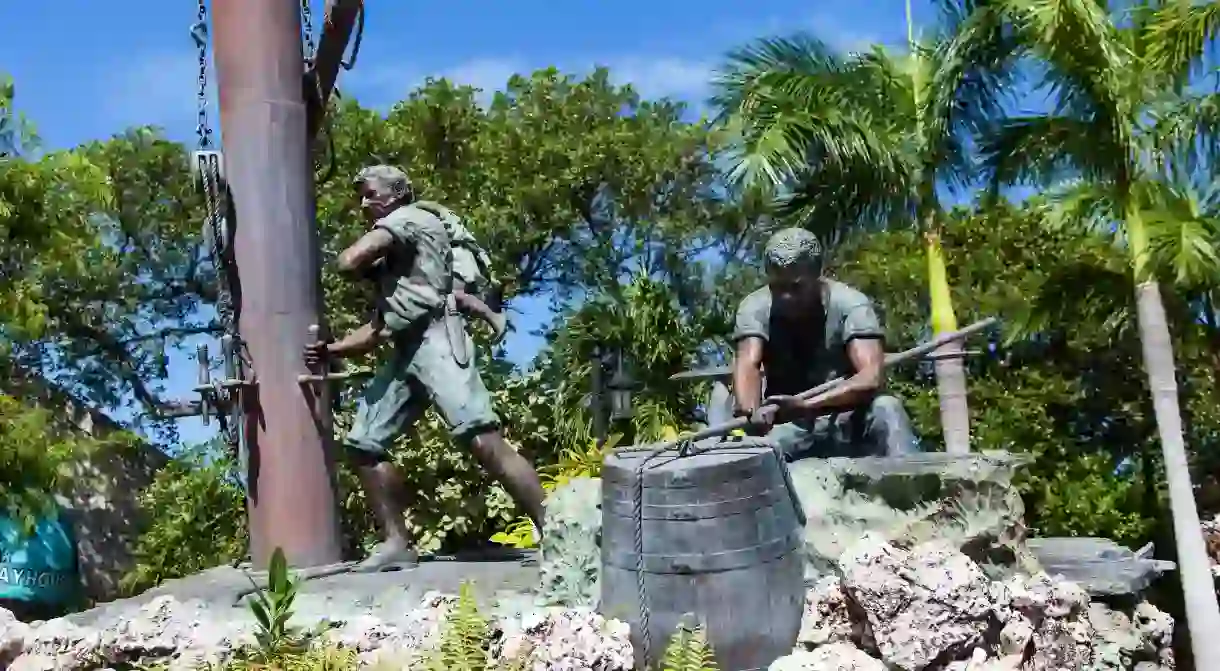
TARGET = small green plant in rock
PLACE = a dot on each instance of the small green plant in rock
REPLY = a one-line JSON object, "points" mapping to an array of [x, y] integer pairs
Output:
{"points": [[272, 609], [463, 644], [689, 650]]}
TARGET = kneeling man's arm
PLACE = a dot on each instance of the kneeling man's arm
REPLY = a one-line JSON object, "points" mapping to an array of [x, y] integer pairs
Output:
{"points": [[747, 375], [867, 358]]}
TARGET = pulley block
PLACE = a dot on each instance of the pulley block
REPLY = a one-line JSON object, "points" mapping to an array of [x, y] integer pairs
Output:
{"points": [[208, 170]]}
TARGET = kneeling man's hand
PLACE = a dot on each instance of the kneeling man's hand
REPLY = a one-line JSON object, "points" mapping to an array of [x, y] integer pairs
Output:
{"points": [[759, 420]]}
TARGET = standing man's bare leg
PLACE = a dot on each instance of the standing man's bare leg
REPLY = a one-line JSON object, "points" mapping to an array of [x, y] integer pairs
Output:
{"points": [[384, 488], [513, 471]]}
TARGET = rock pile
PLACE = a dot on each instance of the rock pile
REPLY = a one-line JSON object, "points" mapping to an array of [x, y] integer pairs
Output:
{"points": [[967, 501], [181, 635], [886, 608], [932, 608]]}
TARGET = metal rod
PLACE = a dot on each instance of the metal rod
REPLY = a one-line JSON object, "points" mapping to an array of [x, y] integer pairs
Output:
{"points": [[204, 381], [259, 70], [223, 384], [328, 377], [336, 33], [890, 360], [229, 352]]}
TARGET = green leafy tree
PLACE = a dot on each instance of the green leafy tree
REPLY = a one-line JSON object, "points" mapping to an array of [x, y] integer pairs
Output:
{"points": [[195, 512], [657, 338], [862, 142], [1057, 385], [107, 267], [32, 454], [16, 132]]}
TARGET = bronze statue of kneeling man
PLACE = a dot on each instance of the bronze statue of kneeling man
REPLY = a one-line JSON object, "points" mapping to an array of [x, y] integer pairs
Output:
{"points": [[802, 330]]}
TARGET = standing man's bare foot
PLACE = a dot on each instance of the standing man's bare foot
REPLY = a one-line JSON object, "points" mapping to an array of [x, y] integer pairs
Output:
{"points": [[389, 555]]}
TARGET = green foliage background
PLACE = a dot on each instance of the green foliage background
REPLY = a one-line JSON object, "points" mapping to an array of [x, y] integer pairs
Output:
{"points": [[616, 207]]}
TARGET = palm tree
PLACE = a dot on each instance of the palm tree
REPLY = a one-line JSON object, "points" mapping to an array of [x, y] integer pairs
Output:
{"points": [[869, 140], [1110, 77]]}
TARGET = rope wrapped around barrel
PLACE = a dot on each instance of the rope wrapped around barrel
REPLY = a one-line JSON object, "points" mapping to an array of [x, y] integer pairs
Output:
{"points": [[685, 447]]}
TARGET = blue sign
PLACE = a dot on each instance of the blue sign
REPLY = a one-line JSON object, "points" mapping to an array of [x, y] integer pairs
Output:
{"points": [[39, 567]]}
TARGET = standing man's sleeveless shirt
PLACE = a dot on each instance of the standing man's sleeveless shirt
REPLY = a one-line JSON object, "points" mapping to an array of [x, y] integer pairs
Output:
{"points": [[418, 273]]}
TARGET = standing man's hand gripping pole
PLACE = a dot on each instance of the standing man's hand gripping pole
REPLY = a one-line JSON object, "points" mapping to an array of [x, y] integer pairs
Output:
{"points": [[359, 341], [356, 260]]}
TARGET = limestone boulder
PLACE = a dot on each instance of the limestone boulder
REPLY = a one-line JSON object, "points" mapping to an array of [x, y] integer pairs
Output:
{"points": [[968, 502], [571, 560], [930, 607]]}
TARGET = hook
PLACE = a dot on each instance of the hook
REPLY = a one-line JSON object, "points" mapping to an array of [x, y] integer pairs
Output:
{"points": [[199, 33]]}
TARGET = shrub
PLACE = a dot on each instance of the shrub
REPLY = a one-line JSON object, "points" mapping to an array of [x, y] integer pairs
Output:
{"points": [[195, 516]]}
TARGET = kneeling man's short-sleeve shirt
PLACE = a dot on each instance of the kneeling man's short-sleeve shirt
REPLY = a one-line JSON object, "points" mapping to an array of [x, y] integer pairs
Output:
{"points": [[797, 358]]}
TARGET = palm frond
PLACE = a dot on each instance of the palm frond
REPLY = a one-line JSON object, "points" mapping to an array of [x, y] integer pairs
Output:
{"points": [[1080, 205], [973, 75], [791, 103], [1043, 150], [1187, 128], [1184, 237], [1179, 36], [736, 80], [837, 201], [1083, 48], [1093, 289]]}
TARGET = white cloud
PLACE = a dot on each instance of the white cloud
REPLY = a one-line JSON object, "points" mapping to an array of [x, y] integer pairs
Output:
{"points": [[657, 77], [159, 89], [487, 74], [652, 77], [842, 34]]}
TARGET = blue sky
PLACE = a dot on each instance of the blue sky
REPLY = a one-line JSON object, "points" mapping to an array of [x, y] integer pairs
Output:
{"points": [[86, 69]]}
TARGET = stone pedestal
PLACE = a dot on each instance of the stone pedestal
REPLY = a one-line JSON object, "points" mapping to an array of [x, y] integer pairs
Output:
{"points": [[966, 501]]}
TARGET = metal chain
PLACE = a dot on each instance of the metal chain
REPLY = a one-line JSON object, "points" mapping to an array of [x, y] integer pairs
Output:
{"points": [[209, 170], [210, 173], [199, 33], [307, 29], [212, 202]]}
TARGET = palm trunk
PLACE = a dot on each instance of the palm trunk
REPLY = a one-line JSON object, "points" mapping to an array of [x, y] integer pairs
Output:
{"points": [[1194, 565], [950, 365]]}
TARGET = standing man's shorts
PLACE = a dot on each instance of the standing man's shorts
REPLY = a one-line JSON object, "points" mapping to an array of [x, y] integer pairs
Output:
{"points": [[422, 370]]}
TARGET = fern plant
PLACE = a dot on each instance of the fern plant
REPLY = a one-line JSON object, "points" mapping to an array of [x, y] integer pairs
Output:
{"points": [[463, 644], [689, 650], [573, 463]]}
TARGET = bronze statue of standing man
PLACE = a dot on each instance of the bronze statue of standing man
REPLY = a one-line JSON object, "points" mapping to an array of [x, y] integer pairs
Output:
{"points": [[408, 251]]}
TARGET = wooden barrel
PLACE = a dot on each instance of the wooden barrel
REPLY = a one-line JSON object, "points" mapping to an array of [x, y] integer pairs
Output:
{"points": [[721, 541]]}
